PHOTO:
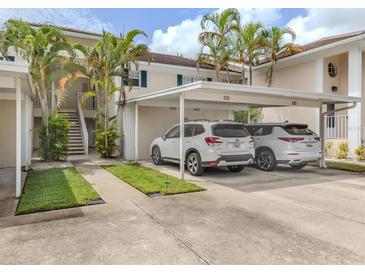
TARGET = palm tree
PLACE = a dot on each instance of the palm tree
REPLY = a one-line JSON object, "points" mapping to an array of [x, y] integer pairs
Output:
{"points": [[276, 46], [248, 45], [217, 54], [43, 49], [110, 57], [217, 31]]}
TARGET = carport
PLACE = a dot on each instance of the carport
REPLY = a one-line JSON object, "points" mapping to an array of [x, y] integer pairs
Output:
{"points": [[218, 96]]}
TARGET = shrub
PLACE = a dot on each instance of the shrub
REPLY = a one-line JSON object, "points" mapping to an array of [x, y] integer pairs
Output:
{"points": [[343, 150], [328, 147], [109, 148], [360, 153], [55, 147]]}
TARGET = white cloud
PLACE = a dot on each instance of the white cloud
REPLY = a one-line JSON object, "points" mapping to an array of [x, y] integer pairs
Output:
{"points": [[318, 23], [73, 18], [183, 38]]}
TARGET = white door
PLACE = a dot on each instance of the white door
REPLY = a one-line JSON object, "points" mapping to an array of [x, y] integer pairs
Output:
{"points": [[171, 143]]}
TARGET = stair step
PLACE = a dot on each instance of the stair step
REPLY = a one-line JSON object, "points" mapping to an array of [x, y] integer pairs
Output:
{"points": [[76, 153], [76, 148], [76, 145]]}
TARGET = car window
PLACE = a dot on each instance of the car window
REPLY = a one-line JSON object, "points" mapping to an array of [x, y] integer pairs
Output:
{"points": [[260, 130], [298, 130], [199, 129], [174, 132], [230, 130], [189, 130]]}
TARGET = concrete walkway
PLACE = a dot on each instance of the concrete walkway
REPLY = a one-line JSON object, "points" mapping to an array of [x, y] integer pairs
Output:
{"points": [[218, 226], [117, 232], [8, 203]]}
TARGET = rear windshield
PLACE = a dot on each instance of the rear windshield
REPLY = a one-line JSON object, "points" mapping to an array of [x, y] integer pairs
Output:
{"points": [[298, 130], [230, 130]]}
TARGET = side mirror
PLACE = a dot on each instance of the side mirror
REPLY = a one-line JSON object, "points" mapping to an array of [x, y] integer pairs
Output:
{"points": [[163, 137]]}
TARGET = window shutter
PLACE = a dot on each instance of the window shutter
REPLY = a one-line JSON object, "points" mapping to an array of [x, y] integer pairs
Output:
{"points": [[143, 78], [179, 79], [209, 79], [125, 81]]}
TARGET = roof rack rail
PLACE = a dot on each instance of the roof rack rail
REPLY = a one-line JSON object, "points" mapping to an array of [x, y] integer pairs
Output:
{"points": [[199, 120]]}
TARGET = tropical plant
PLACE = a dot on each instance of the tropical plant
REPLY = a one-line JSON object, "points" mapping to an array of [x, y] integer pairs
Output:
{"points": [[360, 153], [248, 43], [112, 56], [343, 150], [276, 46], [218, 28], [44, 50], [241, 116], [217, 54], [54, 146]]}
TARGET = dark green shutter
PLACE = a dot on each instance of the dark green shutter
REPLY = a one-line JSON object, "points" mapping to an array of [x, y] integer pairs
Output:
{"points": [[179, 79], [209, 79], [126, 76], [143, 78]]}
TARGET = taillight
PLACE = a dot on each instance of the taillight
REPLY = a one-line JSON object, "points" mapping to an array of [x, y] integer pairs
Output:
{"points": [[251, 141], [212, 140], [291, 139]]}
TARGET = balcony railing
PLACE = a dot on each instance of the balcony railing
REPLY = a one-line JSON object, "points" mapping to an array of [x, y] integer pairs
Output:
{"points": [[336, 126]]}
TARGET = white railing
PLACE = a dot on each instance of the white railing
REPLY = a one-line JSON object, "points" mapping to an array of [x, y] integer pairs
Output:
{"points": [[90, 103], [336, 126], [85, 135]]}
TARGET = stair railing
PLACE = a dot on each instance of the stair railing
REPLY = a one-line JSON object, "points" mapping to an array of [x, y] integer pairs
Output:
{"points": [[80, 112]]}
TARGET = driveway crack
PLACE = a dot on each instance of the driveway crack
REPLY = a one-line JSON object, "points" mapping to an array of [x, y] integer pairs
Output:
{"points": [[172, 233]]}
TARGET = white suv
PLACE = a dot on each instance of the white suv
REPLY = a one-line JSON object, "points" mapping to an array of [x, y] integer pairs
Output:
{"points": [[206, 144], [284, 143]]}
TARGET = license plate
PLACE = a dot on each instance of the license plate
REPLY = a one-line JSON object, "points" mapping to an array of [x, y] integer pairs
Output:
{"points": [[309, 145], [236, 145]]}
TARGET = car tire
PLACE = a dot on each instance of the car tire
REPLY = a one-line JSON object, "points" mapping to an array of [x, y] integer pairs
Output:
{"points": [[235, 169], [265, 160], [194, 164], [299, 166], [156, 156]]}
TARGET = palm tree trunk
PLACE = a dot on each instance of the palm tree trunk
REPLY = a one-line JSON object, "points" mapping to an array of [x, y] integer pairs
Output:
{"points": [[106, 117], [250, 74], [227, 73], [269, 74]]}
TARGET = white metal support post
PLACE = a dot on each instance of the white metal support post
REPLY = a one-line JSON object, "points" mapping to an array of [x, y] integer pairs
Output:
{"points": [[18, 168], [136, 122], [249, 115], [322, 135], [354, 89], [182, 120]]}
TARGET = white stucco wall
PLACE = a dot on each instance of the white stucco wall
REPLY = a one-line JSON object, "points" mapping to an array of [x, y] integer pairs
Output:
{"points": [[299, 77]]}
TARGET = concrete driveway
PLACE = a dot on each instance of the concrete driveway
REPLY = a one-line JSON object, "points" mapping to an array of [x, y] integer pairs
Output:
{"points": [[285, 217]]}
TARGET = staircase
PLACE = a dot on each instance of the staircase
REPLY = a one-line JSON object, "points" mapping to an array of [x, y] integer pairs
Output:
{"points": [[76, 145]]}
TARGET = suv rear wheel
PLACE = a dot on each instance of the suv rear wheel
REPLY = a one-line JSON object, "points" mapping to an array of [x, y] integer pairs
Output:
{"points": [[156, 156], [265, 160], [194, 165], [235, 169]]}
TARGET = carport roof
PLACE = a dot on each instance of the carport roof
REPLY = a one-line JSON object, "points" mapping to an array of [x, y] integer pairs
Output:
{"points": [[254, 96]]}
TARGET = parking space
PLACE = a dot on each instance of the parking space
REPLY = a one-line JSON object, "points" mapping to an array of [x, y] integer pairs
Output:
{"points": [[310, 216]]}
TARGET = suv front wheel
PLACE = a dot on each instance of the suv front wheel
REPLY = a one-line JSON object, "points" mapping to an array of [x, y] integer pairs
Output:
{"points": [[265, 160], [194, 165], [156, 156]]}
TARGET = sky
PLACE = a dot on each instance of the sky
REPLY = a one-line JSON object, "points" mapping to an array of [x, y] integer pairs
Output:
{"points": [[175, 31]]}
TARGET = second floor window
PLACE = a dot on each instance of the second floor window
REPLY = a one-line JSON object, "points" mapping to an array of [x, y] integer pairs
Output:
{"points": [[134, 77]]}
